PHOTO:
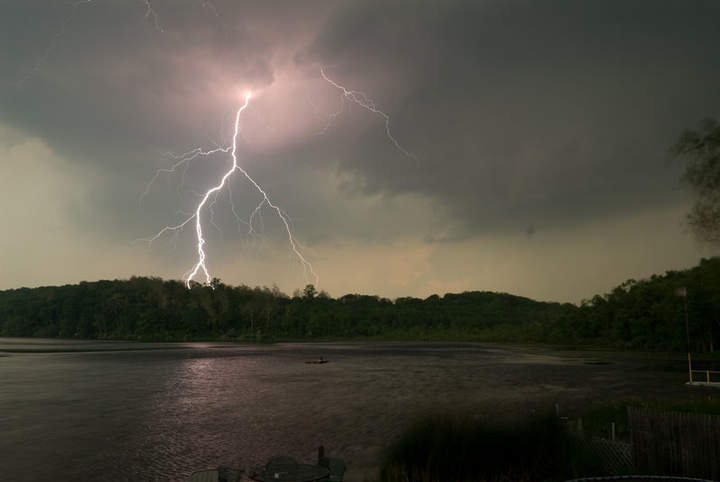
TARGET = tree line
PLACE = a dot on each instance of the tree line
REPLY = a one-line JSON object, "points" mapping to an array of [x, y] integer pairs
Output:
{"points": [[645, 314]]}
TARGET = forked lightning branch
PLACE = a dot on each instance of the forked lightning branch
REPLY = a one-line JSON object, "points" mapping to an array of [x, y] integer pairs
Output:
{"points": [[207, 200]]}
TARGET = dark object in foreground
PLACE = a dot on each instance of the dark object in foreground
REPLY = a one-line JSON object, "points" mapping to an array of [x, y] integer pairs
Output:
{"points": [[458, 448], [286, 469], [335, 465], [221, 474]]}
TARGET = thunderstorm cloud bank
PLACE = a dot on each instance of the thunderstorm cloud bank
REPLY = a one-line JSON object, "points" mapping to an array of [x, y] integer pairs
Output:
{"points": [[539, 133]]}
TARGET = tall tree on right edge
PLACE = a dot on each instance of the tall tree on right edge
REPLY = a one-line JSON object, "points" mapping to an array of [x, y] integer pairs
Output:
{"points": [[701, 151]]}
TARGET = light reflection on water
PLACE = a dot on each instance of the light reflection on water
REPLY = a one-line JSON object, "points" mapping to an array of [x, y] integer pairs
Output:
{"points": [[131, 411]]}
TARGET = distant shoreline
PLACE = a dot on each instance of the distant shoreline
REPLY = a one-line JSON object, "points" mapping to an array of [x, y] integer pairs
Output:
{"points": [[598, 350], [646, 315]]}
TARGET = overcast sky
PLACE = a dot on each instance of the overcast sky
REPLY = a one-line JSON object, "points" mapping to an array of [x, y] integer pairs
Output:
{"points": [[536, 137]]}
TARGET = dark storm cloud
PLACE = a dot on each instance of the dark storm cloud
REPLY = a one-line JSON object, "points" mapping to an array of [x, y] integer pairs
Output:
{"points": [[105, 89], [102, 79], [530, 112], [518, 113]]}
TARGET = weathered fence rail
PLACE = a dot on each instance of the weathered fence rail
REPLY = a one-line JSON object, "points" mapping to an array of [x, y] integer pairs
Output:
{"points": [[675, 443]]}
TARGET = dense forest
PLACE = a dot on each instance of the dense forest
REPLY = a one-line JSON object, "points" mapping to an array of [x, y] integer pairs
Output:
{"points": [[646, 314]]}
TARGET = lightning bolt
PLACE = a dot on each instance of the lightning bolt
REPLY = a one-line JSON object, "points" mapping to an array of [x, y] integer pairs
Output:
{"points": [[361, 99], [150, 12], [182, 160], [329, 119], [210, 197], [200, 268]]}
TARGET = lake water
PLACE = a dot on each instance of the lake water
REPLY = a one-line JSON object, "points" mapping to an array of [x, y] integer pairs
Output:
{"points": [[80, 410]]}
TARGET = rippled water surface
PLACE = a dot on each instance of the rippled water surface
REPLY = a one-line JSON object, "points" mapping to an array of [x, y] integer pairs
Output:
{"points": [[83, 410]]}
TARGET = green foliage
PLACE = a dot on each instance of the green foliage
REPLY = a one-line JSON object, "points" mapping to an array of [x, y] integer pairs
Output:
{"points": [[642, 314], [701, 151], [647, 314]]}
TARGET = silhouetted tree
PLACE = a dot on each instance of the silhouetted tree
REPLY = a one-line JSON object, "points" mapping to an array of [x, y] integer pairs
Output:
{"points": [[701, 151], [309, 292]]}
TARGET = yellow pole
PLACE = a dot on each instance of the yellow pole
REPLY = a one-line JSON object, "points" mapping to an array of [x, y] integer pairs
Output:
{"points": [[690, 367]]}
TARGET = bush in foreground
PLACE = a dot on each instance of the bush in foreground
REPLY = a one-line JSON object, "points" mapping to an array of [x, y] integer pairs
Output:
{"points": [[462, 448]]}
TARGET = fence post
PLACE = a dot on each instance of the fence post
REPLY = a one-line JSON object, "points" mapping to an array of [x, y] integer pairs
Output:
{"points": [[612, 431], [707, 375]]}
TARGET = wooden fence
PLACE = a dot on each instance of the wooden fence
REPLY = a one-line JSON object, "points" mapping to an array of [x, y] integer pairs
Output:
{"points": [[674, 443]]}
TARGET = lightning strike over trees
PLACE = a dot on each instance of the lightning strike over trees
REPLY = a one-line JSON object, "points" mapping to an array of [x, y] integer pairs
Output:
{"points": [[210, 197], [200, 265], [183, 160]]}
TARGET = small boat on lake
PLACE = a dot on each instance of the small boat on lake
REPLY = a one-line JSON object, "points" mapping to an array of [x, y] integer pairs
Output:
{"points": [[318, 361]]}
